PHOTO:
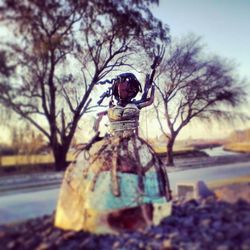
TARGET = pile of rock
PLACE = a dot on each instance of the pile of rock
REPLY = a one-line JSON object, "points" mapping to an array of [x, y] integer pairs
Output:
{"points": [[209, 223]]}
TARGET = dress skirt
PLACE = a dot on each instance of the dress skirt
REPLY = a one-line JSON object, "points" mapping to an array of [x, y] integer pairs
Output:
{"points": [[118, 184]]}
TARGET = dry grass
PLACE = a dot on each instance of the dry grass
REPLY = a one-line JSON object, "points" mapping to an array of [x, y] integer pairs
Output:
{"points": [[243, 147], [17, 160], [236, 180], [177, 148]]}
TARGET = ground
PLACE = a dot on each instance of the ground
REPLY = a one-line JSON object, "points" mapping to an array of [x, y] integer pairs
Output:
{"points": [[216, 222]]}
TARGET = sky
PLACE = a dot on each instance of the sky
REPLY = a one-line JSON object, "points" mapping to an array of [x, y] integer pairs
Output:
{"points": [[224, 28], [223, 25]]}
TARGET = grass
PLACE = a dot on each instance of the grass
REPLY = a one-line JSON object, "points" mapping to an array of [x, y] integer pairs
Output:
{"points": [[243, 147], [17, 160], [236, 180], [177, 149]]}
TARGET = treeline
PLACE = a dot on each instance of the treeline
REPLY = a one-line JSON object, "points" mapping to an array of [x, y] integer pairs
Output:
{"points": [[24, 141]]}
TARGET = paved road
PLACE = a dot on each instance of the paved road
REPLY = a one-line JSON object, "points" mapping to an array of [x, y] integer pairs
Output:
{"points": [[43, 181], [17, 207]]}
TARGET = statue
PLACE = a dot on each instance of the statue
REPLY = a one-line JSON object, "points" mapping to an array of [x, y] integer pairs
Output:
{"points": [[115, 183]]}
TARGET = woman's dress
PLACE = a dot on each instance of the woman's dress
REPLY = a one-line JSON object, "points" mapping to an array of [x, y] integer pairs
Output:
{"points": [[118, 184]]}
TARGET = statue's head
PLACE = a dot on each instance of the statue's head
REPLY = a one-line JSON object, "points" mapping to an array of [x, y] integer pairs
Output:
{"points": [[126, 86]]}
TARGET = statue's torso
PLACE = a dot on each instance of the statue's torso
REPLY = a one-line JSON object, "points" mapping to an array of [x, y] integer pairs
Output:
{"points": [[124, 119]]}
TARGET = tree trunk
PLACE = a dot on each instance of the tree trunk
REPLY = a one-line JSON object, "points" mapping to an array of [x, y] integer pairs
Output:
{"points": [[170, 158], [60, 156]]}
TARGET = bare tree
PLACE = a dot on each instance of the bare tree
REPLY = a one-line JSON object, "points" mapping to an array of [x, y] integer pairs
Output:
{"points": [[192, 85], [61, 51]]}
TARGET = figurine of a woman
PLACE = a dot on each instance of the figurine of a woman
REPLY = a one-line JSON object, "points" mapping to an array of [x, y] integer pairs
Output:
{"points": [[117, 183]]}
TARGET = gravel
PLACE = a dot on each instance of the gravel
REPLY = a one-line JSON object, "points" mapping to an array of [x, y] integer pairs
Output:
{"points": [[211, 223]]}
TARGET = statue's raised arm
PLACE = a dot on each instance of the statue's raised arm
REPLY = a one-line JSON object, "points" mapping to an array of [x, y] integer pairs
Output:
{"points": [[145, 100]]}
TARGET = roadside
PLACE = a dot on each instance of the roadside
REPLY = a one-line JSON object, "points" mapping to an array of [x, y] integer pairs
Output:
{"points": [[200, 162], [23, 204], [26, 182], [48, 180]]}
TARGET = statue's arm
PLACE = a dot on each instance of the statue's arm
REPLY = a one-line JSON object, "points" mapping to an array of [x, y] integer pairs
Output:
{"points": [[148, 101]]}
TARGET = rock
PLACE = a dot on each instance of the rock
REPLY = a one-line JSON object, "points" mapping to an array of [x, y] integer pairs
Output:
{"points": [[141, 245], [203, 191], [207, 238], [217, 225], [205, 222], [245, 245], [242, 204], [172, 220], [11, 245], [195, 224], [68, 235], [85, 243], [188, 222], [216, 217], [47, 220], [31, 243], [158, 236], [192, 245], [47, 231], [70, 245], [234, 192], [58, 241], [55, 234], [2, 234], [223, 247], [219, 236], [232, 232], [246, 217], [173, 235], [166, 244], [116, 245], [44, 246], [132, 241]]}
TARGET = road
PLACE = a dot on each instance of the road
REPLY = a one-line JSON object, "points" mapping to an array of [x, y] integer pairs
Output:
{"points": [[18, 207]]}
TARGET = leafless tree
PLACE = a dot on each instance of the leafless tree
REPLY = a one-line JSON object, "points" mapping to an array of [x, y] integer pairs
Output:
{"points": [[193, 85], [57, 40]]}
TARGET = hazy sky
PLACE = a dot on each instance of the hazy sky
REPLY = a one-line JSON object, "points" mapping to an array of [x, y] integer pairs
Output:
{"points": [[224, 28], [224, 25]]}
